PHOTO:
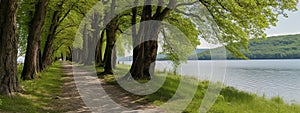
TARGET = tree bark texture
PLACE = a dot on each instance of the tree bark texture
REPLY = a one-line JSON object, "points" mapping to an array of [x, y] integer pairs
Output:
{"points": [[48, 49], [9, 47], [31, 58], [57, 18], [111, 30], [145, 41]]}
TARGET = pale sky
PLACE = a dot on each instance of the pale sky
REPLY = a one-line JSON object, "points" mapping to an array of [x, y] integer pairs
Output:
{"points": [[290, 25]]}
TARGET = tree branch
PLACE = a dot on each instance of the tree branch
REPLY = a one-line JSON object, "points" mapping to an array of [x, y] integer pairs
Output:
{"points": [[189, 14], [66, 14], [68, 26], [166, 11], [159, 6], [183, 4]]}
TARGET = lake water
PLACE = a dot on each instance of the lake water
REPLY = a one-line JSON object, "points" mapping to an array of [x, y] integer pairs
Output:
{"points": [[263, 77]]}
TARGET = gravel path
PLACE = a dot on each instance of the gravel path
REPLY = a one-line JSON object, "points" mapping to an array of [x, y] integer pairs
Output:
{"points": [[84, 92]]}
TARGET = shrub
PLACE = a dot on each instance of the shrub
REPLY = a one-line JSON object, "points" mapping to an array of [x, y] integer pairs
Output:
{"points": [[231, 94]]}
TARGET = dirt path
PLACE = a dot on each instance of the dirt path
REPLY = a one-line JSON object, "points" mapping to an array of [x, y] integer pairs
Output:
{"points": [[69, 100], [83, 92]]}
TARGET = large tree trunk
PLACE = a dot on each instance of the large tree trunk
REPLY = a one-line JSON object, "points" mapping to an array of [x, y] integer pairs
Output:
{"points": [[111, 33], [145, 41], [30, 66], [139, 42], [111, 30], [145, 52], [9, 47]]}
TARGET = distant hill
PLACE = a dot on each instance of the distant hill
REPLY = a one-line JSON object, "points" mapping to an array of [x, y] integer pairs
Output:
{"points": [[276, 47]]}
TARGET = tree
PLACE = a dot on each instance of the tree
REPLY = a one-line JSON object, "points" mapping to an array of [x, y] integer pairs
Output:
{"points": [[84, 51], [60, 11], [236, 21], [145, 40], [35, 32], [24, 17], [112, 23], [111, 32], [9, 47], [56, 20]]}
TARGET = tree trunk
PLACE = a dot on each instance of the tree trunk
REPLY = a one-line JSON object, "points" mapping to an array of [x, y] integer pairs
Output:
{"points": [[62, 56], [145, 42], [78, 60], [114, 57], [9, 47], [99, 60], [48, 49], [30, 66], [75, 55], [145, 53], [111, 30], [39, 58], [91, 50], [95, 25], [137, 69], [69, 55], [85, 48]]}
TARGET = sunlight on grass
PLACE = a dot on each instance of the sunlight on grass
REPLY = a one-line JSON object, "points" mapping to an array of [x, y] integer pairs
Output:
{"points": [[230, 99], [39, 93]]}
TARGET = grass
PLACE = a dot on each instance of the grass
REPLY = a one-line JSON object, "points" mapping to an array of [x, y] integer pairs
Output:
{"points": [[230, 99], [39, 93]]}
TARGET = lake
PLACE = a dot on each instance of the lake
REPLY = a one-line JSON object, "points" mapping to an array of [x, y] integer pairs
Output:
{"points": [[263, 77]]}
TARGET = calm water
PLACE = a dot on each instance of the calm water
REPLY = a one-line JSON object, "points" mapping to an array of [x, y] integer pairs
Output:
{"points": [[269, 77]]}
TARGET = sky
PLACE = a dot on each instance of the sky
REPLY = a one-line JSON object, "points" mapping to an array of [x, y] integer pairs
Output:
{"points": [[290, 25]]}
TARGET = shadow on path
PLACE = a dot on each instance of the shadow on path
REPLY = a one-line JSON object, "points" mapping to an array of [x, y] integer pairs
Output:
{"points": [[84, 92]]}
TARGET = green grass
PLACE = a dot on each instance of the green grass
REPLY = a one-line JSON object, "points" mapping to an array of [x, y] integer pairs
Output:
{"points": [[230, 99], [39, 93]]}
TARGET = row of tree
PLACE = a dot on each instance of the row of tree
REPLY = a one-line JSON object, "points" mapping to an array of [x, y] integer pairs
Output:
{"points": [[275, 47], [45, 30]]}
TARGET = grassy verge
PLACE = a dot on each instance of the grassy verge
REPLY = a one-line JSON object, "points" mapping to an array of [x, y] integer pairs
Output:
{"points": [[230, 99], [39, 93]]}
